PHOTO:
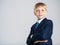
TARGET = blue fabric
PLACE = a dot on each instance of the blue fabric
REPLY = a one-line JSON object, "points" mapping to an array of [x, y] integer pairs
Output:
{"points": [[43, 32]]}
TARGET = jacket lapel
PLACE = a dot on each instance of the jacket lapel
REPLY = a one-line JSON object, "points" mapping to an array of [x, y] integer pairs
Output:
{"points": [[39, 26], [42, 22]]}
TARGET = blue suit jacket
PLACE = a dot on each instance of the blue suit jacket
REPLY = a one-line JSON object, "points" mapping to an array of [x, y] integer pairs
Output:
{"points": [[42, 32]]}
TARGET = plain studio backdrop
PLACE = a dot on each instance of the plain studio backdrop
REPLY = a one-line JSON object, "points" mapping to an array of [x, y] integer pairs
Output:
{"points": [[17, 17]]}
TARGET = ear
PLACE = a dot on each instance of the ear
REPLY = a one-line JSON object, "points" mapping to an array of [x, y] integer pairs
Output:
{"points": [[34, 12]]}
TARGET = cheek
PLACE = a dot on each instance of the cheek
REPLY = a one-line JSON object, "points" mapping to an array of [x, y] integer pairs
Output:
{"points": [[44, 13], [36, 13]]}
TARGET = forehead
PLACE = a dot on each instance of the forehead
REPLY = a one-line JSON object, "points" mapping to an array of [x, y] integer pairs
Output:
{"points": [[41, 7]]}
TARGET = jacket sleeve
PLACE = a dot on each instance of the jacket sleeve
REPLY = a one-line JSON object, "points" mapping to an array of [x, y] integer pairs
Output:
{"points": [[29, 37], [46, 33]]}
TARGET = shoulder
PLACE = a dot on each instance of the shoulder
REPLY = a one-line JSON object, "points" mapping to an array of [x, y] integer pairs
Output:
{"points": [[32, 26], [49, 21]]}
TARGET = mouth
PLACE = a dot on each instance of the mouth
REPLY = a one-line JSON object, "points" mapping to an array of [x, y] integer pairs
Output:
{"points": [[39, 15]]}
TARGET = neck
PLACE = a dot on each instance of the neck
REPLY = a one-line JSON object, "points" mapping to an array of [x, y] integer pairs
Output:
{"points": [[41, 18]]}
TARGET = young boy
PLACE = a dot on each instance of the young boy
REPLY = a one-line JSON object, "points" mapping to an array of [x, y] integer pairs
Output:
{"points": [[42, 30]]}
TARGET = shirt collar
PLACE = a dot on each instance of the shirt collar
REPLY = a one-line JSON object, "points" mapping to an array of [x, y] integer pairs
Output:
{"points": [[40, 20]]}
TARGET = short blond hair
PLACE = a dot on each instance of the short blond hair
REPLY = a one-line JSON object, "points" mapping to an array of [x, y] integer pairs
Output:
{"points": [[40, 4]]}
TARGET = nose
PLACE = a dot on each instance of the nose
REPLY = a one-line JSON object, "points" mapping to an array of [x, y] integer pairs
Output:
{"points": [[39, 12]]}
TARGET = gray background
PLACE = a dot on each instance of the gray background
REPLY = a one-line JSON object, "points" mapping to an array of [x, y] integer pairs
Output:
{"points": [[16, 18]]}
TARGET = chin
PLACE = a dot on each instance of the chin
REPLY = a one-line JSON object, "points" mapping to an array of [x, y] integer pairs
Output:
{"points": [[41, 17]]}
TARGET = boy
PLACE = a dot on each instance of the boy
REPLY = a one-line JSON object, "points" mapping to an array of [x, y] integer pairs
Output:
{"points": [[42, 30]]}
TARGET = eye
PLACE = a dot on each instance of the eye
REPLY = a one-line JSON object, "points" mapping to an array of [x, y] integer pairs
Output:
{"points": [[42, 10], [37, 10]]}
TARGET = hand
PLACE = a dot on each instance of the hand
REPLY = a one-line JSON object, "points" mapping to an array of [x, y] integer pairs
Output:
{"points": [[41, 41]]}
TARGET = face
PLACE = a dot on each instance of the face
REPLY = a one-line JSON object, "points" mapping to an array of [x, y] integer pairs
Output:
{"points": [[40, 12]]}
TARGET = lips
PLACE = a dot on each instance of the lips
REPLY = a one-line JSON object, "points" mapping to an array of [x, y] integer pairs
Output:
{"points": [[39, 15]]}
